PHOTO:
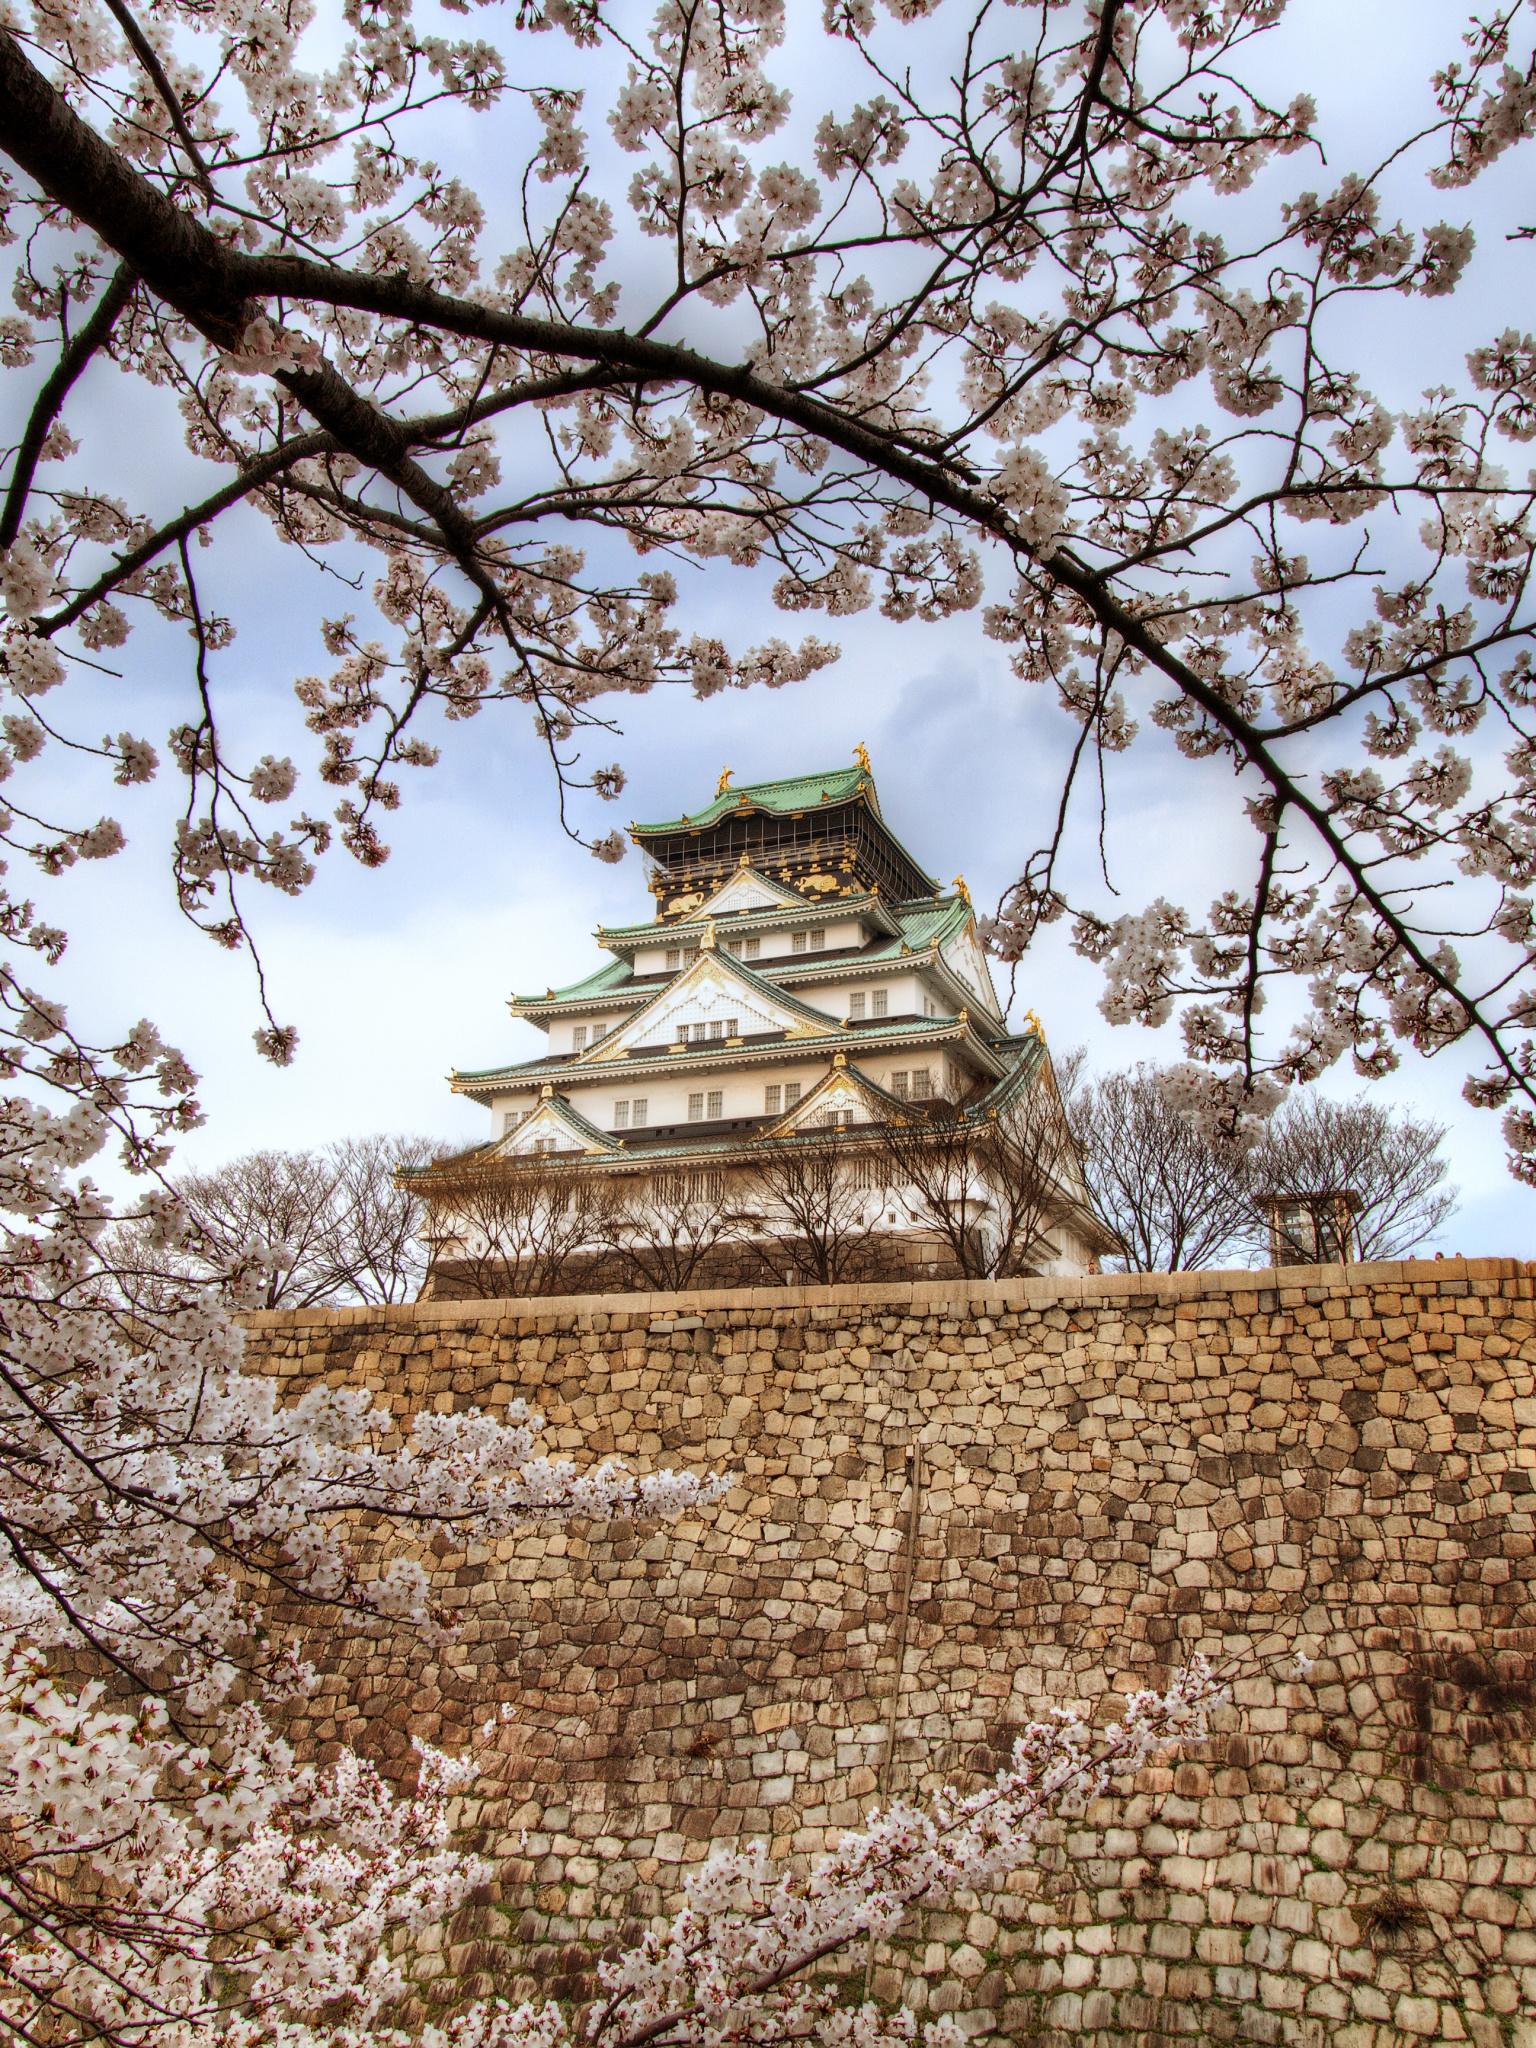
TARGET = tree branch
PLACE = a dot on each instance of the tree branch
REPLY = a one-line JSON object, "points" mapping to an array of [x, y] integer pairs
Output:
{"points": [[77, 353]]}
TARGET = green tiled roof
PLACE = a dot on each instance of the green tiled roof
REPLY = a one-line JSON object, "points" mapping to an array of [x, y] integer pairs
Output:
{"points": [[927, 924], [546, 1067], [612, 976], [582, 1126], [1028, 1054], [797, 793], [563, 1069], [925, 921], [769, 990]]}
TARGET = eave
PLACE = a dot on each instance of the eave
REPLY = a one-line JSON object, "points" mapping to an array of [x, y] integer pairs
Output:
{"points": [[633, 938]]}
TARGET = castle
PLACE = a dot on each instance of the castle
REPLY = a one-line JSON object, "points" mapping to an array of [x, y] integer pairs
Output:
{"points": [[801, 974]]}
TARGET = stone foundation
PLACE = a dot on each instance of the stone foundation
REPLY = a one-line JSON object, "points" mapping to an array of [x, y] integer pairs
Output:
{"points": [[1109, 1473]]}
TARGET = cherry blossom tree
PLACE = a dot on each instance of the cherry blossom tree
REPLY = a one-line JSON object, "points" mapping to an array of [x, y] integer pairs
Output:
{"points": [[166, 1864], [169, 1871], [854, 379], [1046, 308]]}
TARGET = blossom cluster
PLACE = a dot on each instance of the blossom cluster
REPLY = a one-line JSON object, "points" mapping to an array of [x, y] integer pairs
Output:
{"points": [[984, 337]]}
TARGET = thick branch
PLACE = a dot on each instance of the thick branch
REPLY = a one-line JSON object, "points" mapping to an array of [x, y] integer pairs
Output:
{"points": [[221, 291], [45, 411], [144, 50]]}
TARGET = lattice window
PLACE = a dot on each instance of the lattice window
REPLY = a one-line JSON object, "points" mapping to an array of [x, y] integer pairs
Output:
{"points": [[792, 1093], [856, 1006], [621, 1116], [754, 948], [579, 1038], [772, 1097], [640, 1109], [716, 1103], [696, 1108], [901, 1086], [818, 942], [880, 1003], [689, 1187]]}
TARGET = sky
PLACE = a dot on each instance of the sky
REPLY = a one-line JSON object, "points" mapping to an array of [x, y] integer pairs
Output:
{"points": [[397, 976]]}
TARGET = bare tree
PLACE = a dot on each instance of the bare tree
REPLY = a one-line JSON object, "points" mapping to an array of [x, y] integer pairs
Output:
{"points": [[334, 1225], [517, 1226], [936, 1156], [282, 1200], [664, 1229], [1390, 1160], [377, 1251], [811, 1194], [990, 1182], [1031, 1167], [1174, 1195]]}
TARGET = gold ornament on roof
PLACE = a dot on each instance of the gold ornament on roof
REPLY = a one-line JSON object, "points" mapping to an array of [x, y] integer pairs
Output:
{"points": [[861, 755], [725, 781], [547, 1091], [960, 885], [839, 1059], [707, 942], [1033, 1024]]}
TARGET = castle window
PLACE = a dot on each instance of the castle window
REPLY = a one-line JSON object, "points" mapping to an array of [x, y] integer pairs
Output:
{"points": [[733, 1027], [797, 943], [717, 1029], [791, 1094], [716, 1103], [695, 1109], [511, 1118], [922, 1084], [880, 1003], [621, 1116], [771, 1100], [899, 1086], [640, 1106], [828, 1119], [754, 948], [674, 959], [818, 942], [856, 1005], [733, 947], [579, 1038]]}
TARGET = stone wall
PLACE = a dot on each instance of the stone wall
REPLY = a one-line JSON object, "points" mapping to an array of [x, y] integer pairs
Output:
{"points": [[1110, 1473]]}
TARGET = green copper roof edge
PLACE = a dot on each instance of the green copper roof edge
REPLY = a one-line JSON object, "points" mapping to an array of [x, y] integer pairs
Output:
{"points": [[902, 909], [620, 972], [762, 794], [578, 1123], [846, 906], [898, 1028]]}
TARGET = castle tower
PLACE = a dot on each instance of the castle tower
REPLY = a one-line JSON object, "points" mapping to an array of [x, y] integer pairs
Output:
{"points": [[801, 972]]}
